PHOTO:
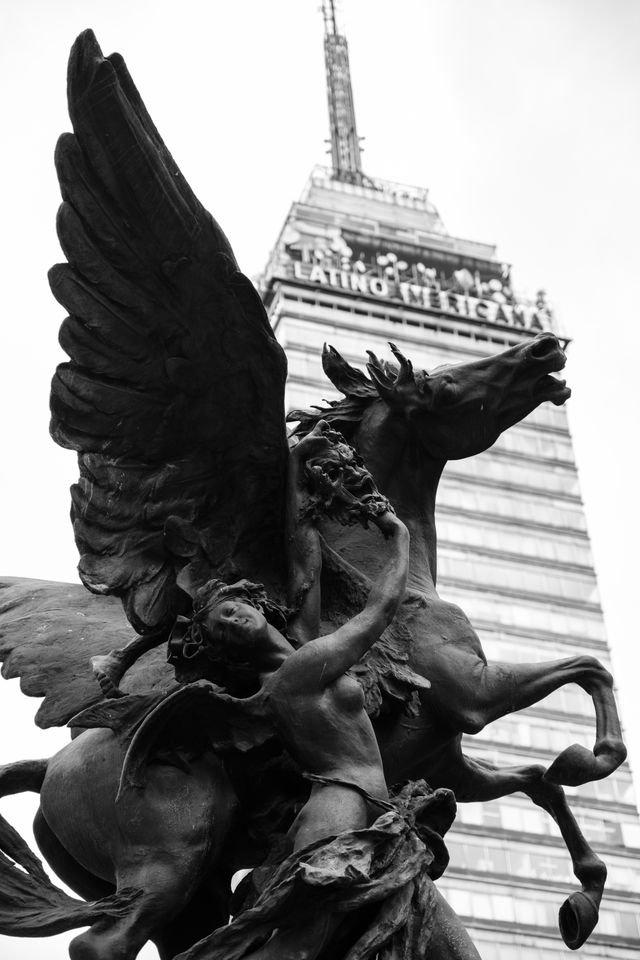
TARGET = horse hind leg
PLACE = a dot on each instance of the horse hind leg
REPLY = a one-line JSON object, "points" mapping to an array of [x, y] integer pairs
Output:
{"points": [[478, 781], [208, 909], [107, 938], [577, 765], [170, 834], [500, 688], [164, 883]]}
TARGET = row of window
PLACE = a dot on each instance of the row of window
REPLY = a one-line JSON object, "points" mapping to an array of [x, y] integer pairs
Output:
{"points": [[438, 341], [491, 949], [498, 469], [549, 863], [532, 911], [313, 324], [567, 699], [518, 577], [536, 544], [547, 948], [526, 818], [531, 617], [522, 730], [475, 498], [436, 344], [533, 443], [502, 645]]}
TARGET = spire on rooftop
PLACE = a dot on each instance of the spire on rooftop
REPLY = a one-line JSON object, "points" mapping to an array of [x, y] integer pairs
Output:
{"points": [[345, 143]]}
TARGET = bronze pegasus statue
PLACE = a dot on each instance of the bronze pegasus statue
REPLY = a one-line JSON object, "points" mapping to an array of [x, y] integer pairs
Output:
{"points": [[260, 674]]}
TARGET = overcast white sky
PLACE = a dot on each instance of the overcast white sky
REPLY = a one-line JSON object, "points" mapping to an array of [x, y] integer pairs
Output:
{"points": [[521, 116]]}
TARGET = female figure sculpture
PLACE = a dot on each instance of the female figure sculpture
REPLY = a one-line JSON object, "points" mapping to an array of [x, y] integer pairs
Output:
{"points": [[317, 709]]}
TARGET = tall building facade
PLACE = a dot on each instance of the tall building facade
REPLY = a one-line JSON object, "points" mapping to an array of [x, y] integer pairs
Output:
{"points": [[360, 262]]}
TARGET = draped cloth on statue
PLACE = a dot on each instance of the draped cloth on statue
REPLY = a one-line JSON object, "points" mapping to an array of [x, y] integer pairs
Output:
{"points": [[379, 879]]}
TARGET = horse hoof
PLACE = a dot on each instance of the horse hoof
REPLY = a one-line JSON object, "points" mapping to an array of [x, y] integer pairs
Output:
{"points": [[577, 765], [577, 918]]}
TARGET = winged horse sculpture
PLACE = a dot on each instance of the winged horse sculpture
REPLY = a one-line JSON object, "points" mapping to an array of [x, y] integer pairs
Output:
{"points": [[173, 399]]}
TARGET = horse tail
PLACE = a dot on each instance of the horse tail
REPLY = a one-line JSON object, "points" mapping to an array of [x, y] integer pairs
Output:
{"points": [[30, 904]]}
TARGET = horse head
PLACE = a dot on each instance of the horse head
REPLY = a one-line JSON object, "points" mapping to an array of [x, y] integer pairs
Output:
{"points": [[407, 423], [456, 411], [459, 410]]}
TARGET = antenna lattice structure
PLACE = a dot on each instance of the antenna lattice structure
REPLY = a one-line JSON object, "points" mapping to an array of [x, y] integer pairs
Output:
{"points": [[345, 143]]}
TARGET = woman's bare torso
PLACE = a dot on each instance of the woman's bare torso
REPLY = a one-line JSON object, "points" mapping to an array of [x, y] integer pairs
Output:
{"points": [[328, 731]]}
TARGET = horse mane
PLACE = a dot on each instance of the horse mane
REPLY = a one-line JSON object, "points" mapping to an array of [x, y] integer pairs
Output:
{"points": [[359, 393]]}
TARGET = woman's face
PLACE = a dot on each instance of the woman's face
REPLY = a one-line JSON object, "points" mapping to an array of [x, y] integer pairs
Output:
{"points": [[236, 627]]}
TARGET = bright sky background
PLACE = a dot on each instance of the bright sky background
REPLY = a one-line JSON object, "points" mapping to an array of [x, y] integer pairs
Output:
{"points": [[521, 116]]}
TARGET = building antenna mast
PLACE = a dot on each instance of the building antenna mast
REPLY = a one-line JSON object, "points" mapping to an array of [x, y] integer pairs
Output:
{"points": [[345, 143]]}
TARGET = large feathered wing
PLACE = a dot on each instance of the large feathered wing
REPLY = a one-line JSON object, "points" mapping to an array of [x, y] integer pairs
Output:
{"points": [[173, 394], [49, 632]]}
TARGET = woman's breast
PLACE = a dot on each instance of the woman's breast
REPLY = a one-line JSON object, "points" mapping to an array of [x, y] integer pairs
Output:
{"points": [[347, 694]]}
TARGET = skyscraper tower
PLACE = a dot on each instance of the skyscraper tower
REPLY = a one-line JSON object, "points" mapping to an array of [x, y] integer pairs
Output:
{"points": [[361, 261]]}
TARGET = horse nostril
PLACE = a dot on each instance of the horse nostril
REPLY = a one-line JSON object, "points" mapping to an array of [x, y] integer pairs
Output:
{"points": [[544, 347]]}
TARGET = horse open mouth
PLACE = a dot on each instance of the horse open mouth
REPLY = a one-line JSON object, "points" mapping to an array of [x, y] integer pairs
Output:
{"points": [[551, 388], [545, 350]]}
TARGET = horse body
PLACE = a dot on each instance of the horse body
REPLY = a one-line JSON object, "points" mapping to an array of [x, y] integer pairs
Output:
{"points": [[406, 429]]}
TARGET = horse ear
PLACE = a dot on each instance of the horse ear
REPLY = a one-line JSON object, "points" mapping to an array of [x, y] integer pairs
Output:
{"points": [[383, 381], [405, 371], [347, 379]]}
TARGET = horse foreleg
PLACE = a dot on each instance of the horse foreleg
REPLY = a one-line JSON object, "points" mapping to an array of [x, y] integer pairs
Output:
{"points": [[480, 781], [579, 913], [493, 690]]}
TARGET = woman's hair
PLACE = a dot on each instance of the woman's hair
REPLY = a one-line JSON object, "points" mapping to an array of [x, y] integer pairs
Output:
{"points": [[192, 648]]}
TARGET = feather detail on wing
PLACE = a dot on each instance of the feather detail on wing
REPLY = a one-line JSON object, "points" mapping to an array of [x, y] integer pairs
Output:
{"points": [[49, 632], [173, 396]]}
